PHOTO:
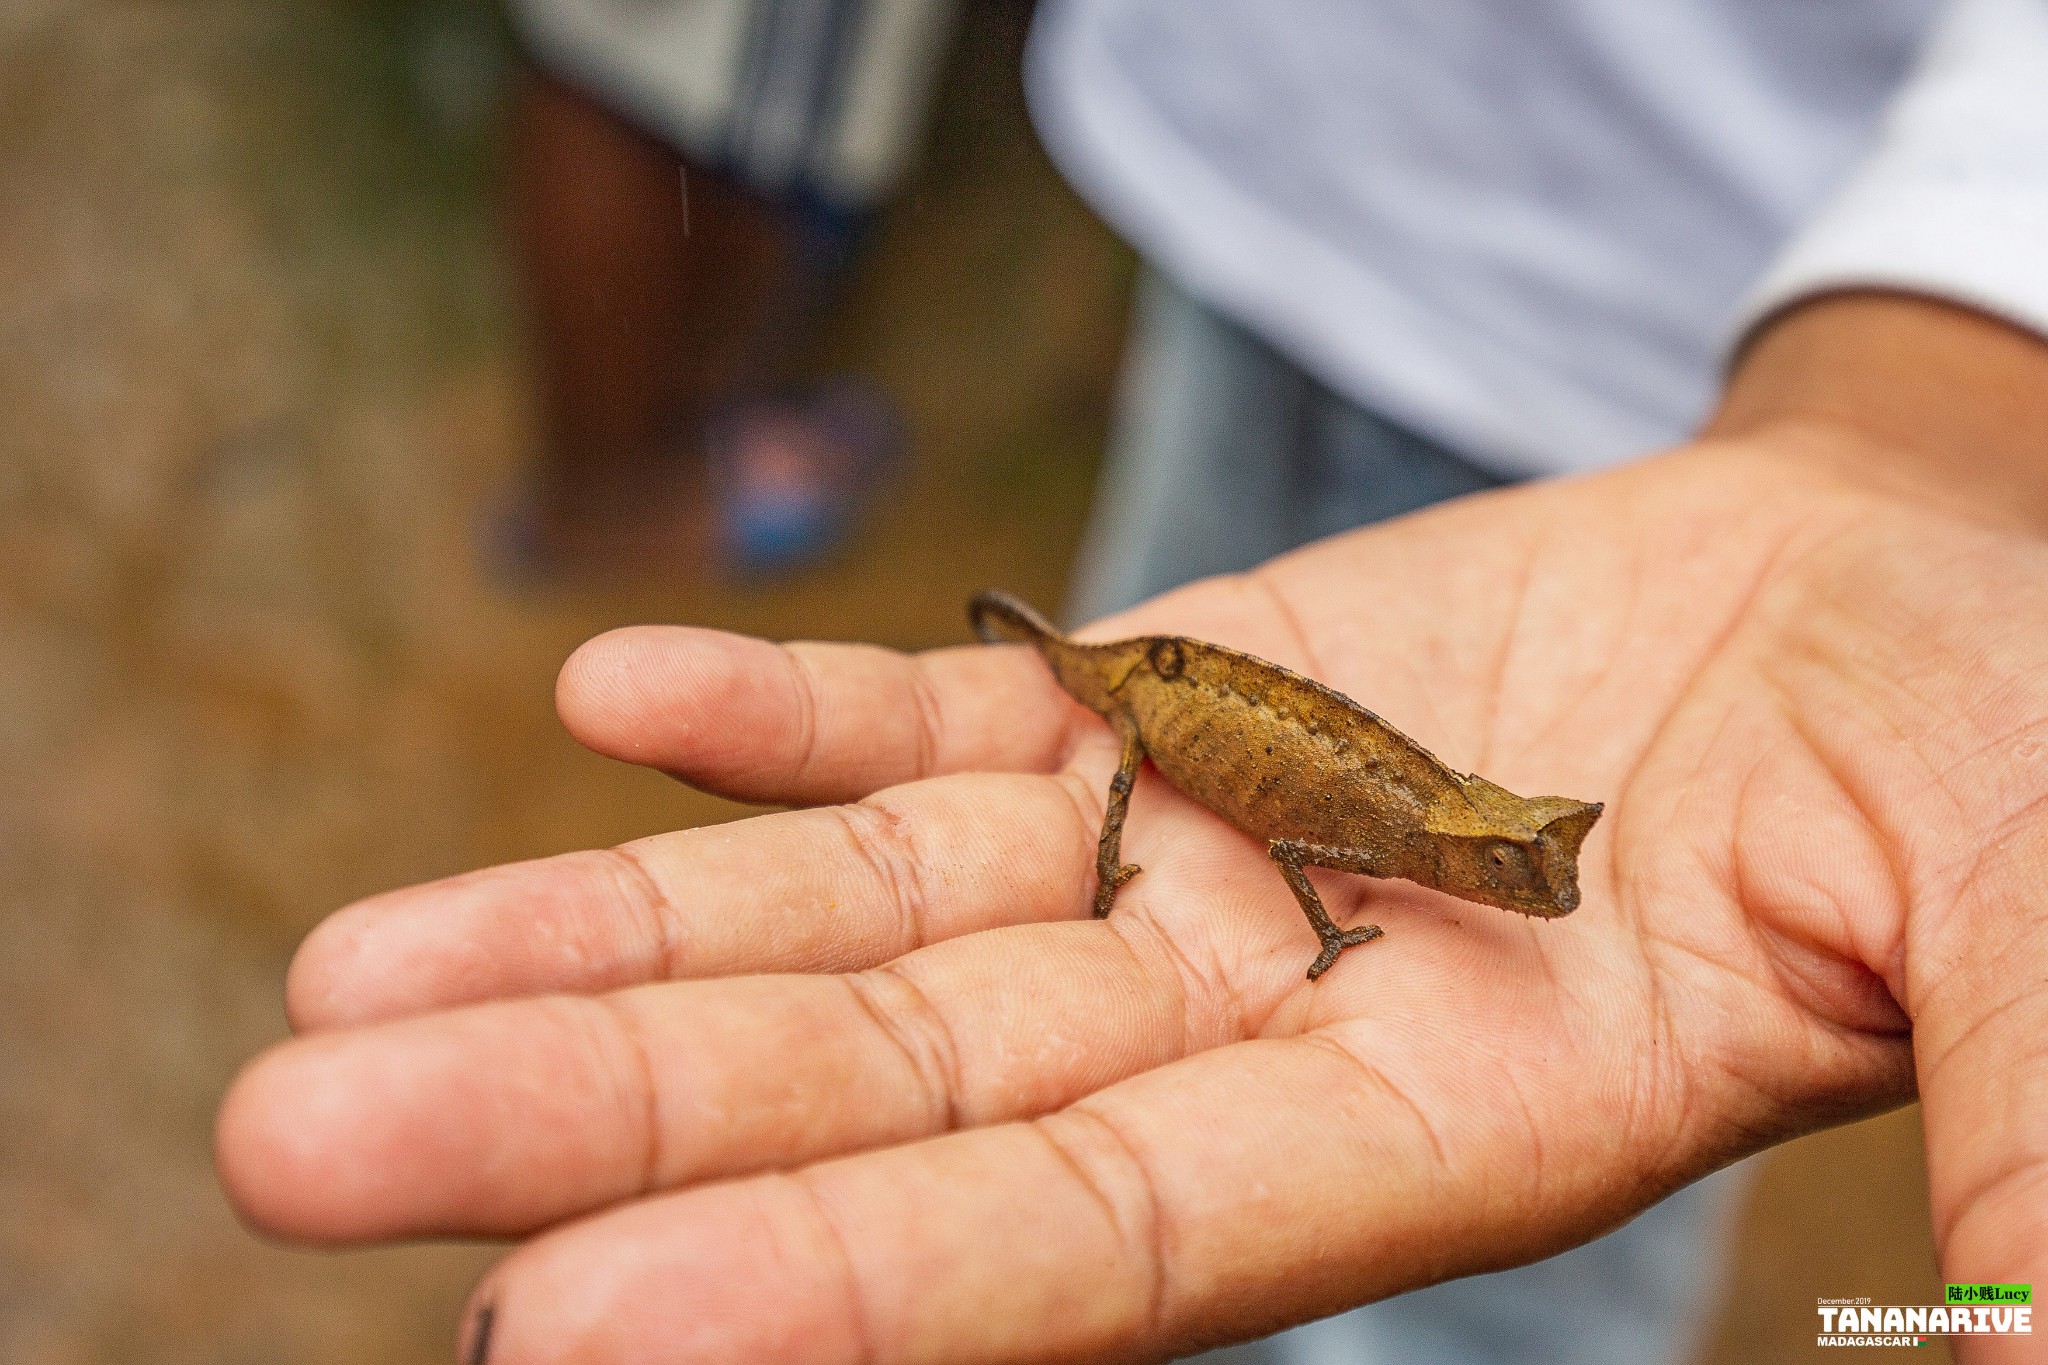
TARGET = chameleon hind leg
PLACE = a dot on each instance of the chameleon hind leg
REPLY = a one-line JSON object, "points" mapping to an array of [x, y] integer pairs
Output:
{"points": [[1111, 872], [1292, 855]]}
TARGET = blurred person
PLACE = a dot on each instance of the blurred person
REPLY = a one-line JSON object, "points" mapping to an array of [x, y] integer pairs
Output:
{"points": [[689, 179], [1400, 252], [1405, 251]]}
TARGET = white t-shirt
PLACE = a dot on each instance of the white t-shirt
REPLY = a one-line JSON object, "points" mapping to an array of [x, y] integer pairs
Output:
{"points": [[1532, 229]]}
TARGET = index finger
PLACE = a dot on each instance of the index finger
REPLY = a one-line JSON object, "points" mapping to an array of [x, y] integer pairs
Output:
{"points": [[809, 723]]}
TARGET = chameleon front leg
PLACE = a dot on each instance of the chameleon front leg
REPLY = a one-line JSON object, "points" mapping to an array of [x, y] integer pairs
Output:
{"points": [[1110, 871], [1292, 855]]}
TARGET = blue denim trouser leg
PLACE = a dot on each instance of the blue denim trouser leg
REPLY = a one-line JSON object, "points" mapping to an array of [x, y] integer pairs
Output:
{"points": [[1225, 455]]}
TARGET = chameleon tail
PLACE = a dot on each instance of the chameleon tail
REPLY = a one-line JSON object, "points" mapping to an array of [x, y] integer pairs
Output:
{"points": [[1091, 674], [998, 617]]}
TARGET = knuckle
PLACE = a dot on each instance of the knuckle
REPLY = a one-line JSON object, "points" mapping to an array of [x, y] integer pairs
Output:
{"points": [[907, 1020], [887, 845]]}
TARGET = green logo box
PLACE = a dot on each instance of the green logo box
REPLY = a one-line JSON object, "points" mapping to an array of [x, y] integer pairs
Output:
{"points": [[1990, 1293]]}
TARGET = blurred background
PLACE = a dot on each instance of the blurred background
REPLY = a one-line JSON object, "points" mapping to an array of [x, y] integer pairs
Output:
{"points": [[281, 608]]}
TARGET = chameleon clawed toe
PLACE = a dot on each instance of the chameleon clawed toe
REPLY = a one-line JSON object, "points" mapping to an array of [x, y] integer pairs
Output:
{"points": [[1105, 894], [1337, 943]]}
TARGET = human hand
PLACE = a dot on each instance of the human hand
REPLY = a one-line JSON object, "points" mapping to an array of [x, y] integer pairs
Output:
{"points": [[866, 1081]]}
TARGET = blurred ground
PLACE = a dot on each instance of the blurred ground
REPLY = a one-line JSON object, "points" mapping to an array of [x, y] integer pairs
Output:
{"points": [[259, 381]]}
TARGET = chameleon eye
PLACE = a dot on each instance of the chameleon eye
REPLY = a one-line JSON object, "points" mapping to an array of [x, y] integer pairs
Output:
{"points": [[1510, 859], [1166, 659]]}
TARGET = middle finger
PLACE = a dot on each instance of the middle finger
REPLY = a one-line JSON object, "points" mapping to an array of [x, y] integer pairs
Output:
{"points": [[505, 1117]]}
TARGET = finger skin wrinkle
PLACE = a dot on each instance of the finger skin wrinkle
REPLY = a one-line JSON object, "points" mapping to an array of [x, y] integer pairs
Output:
{"points": [[818, 1212], [628, 1032], [927, 1045], [882, 838], [1376, 1079], [1139, 1220], [804, 684], [931, 717], [1190, 983], [639, 889]]}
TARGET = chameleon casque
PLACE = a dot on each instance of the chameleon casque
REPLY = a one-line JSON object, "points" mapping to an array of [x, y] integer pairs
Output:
{"points": [[1323, 781]]}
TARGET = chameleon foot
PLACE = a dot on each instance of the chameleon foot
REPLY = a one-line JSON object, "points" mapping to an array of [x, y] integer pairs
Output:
{"points": [[1333, 944], [1105, 894]]}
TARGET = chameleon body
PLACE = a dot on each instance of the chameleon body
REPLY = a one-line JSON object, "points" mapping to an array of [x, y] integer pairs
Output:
{"points": [[1320, 779]]}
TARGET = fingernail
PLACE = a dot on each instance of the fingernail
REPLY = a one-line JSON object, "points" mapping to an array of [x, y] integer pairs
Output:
{"points": [[480, 1335]]}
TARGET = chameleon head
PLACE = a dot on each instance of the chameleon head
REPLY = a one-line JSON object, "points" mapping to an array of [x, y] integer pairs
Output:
{"points": [[1525, 857]]}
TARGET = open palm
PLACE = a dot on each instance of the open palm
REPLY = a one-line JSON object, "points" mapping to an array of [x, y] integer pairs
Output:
{"points": [[866, 1082]]}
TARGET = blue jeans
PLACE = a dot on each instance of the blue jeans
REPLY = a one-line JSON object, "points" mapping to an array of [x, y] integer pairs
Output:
{"points": [[1225, 455]]}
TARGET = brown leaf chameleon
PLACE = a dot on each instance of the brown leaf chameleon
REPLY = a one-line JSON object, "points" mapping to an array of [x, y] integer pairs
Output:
{"points": [[1325, 782]]}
